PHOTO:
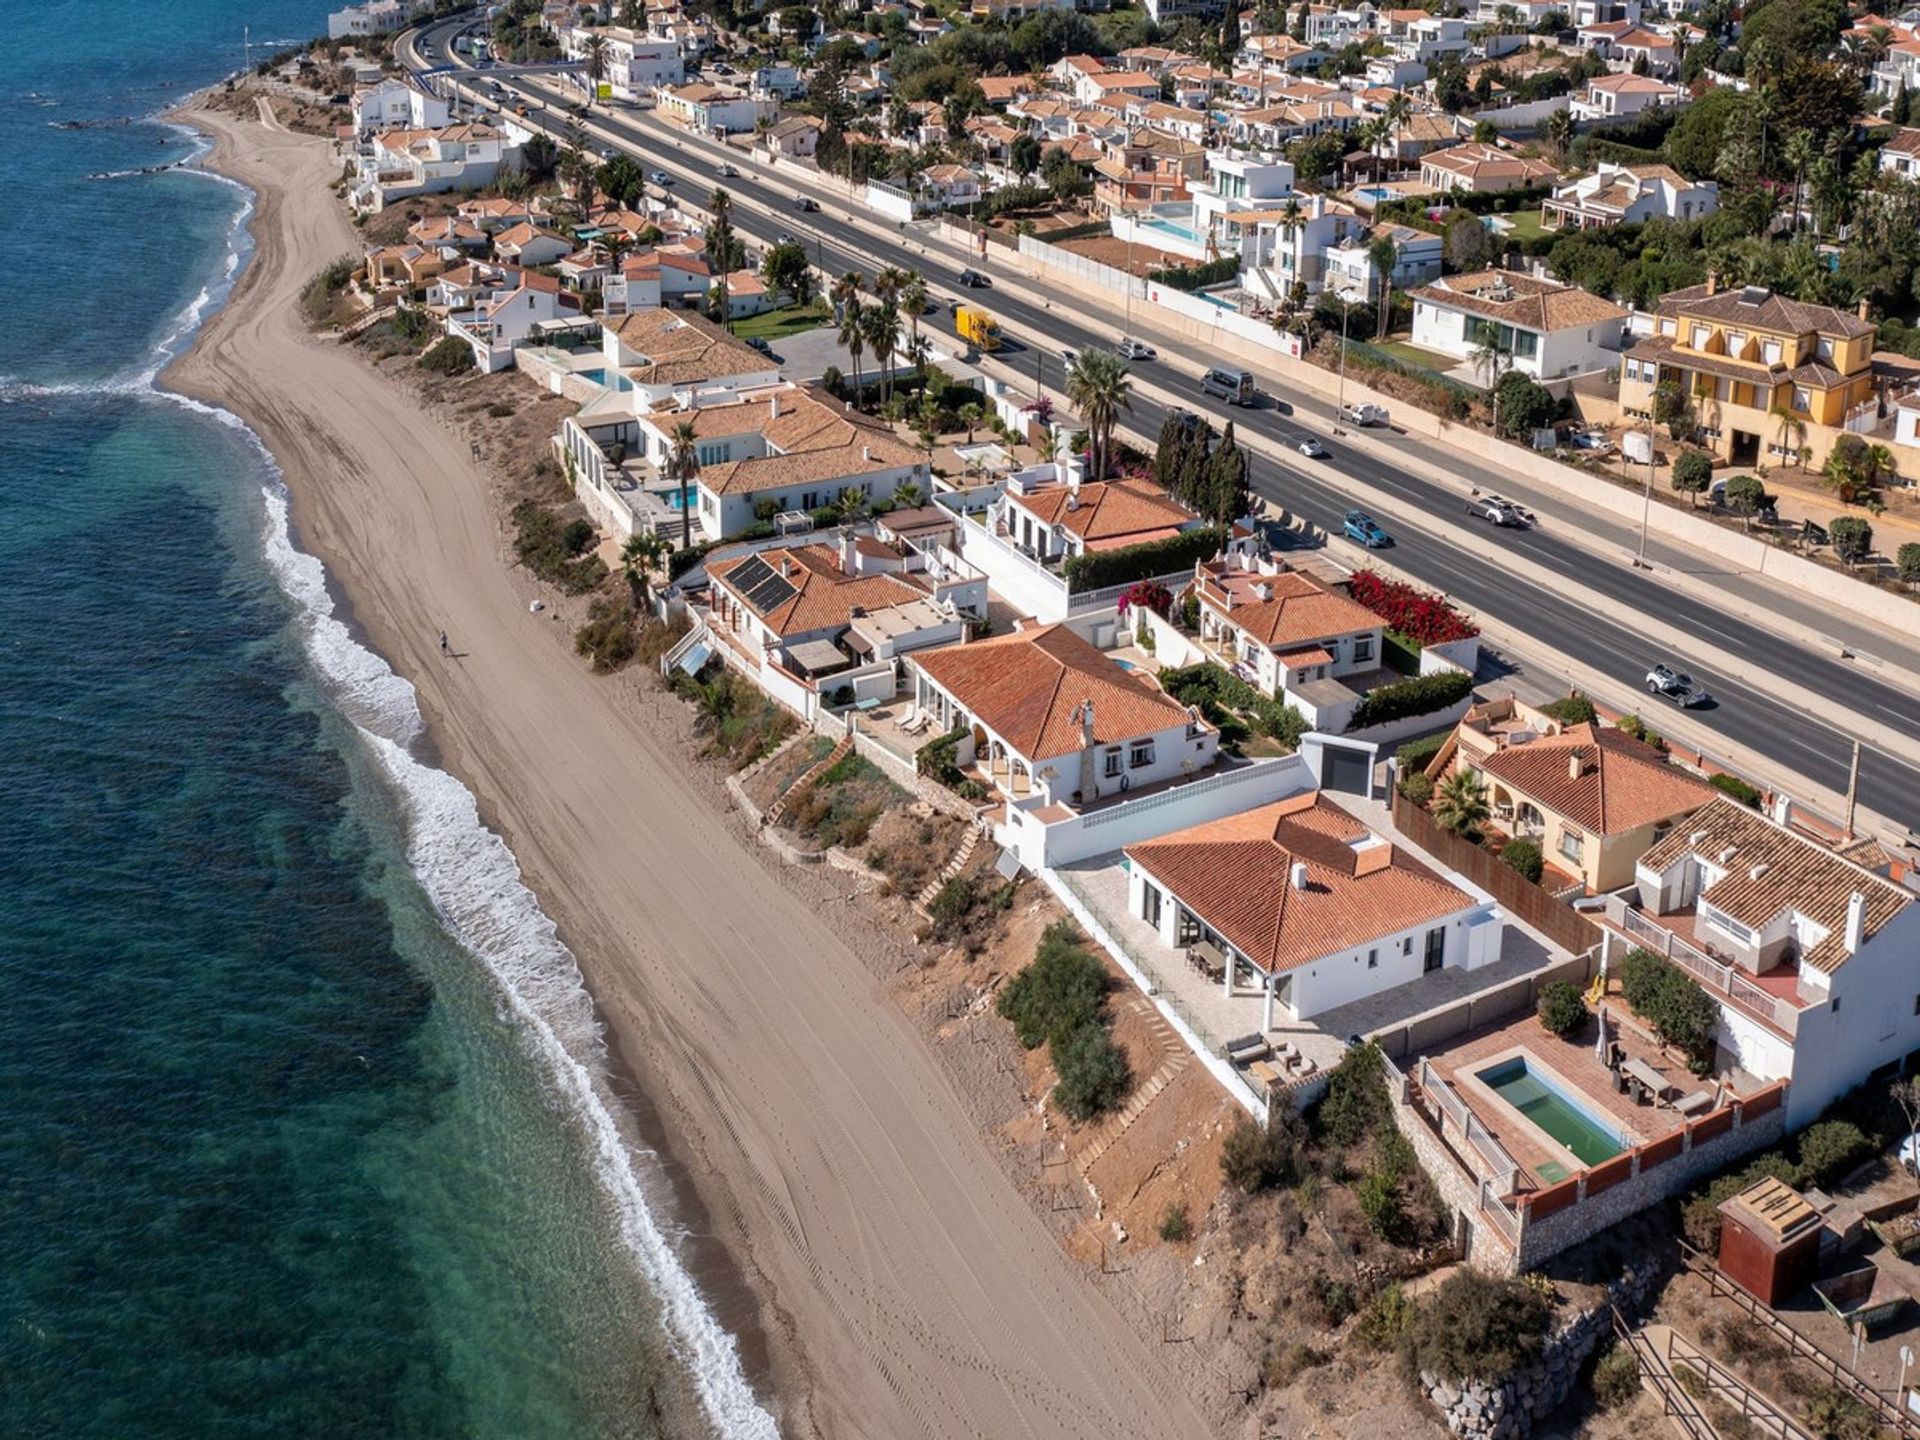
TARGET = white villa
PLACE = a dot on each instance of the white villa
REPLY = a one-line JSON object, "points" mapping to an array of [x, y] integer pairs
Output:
{"points": [[397, 164], [1546, 330], [1307, 907]]}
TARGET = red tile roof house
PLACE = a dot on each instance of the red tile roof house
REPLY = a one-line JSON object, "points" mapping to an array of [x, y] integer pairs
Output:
{"points": [[1810, 953], [1287, 634], [825, 624], [1311, 909], [1053, 724]]}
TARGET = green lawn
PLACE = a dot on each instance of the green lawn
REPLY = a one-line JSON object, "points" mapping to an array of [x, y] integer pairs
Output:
{"points": [[1414, 355], [772, 325], [1525, 224]]}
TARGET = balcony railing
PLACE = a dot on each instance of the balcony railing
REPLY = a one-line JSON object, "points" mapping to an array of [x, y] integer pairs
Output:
{"points": [[1502, 1165], [1723, 980]]}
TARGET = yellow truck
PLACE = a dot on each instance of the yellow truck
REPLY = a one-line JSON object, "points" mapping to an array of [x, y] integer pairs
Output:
{"points": [[977, 327]]}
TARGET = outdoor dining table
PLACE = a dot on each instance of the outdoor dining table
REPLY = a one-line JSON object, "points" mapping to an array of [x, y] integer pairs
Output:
{"points": [[1645, 1074], [1211, 958]]}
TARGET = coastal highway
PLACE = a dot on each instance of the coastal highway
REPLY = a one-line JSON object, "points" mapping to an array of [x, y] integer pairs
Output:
{"points": [[1607, 640]]}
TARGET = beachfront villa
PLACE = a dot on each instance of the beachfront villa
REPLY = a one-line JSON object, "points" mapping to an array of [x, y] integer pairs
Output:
{"points": [[1301, 903]]}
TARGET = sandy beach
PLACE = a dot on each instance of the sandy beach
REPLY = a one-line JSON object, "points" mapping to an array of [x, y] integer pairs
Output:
{"points": [[902, 1287]]}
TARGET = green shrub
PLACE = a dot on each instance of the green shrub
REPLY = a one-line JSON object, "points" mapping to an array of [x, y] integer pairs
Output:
{"points": [[1061, 990], [1098, 569], [1525, 405], [1833, 1414], [1477, 1326], [323, 291], [1829, 1149], [1328, 1302], [1418, 754], [1384, 1322], [1692, 472], [1421, 695], [1092, 1072], [1217, 690], [1417, 788], [1574, 709], [1255, 1157], [1906, 563], [608, 639], [1616, 1378], [1356, 1104], [1524, 856], [548, 548], [1174, 1225], [681, 561], [938, 759], [949, 908], [1852, 538], [1734, 786], [1198, 277], [1379, 1199], [451, 356], [1700, 1215], [1666, 997], [1561, 1009]]}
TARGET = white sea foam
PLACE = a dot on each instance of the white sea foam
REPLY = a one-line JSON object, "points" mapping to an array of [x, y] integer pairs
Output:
{"points": [[475, 885]]}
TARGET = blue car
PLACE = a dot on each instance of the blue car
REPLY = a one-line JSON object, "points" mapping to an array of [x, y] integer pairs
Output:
{"points": [[1360, 527]]}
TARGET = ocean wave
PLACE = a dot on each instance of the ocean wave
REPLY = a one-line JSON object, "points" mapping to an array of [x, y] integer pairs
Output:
{"points": [[476, 887]]}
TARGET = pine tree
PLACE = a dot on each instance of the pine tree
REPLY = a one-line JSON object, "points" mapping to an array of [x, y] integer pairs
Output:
{"points": [[1227, 495]]}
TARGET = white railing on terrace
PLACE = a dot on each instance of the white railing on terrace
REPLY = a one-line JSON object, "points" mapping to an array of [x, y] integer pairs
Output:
{"points": [[1180, 793], [1721, 979], [1080, 601], [1007, 547], [1495, 1209]]}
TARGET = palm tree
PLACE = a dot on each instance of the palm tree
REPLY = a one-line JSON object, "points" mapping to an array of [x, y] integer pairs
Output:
{"points": [[913, 300], [853, 334], [596, 55], [1560, 131], [1098, 386], [1460, 804], [639, 557], [1801, 150], [1383, 255], [1491, 358], [720, 247], [683, 465], [882, 322], [1792, 432]]}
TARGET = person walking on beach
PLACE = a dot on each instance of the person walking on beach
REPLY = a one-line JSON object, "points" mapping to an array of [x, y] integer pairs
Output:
{"points": [[443, 643]]}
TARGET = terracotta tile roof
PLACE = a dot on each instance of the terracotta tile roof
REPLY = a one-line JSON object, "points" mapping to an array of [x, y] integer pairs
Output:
{"points": [[1904, 142], [682, 348], [823, 595], [812, 440], [1758, 306], [1771, 869], [1026, 687], [1124, 511], [1236, 875], [1632, 85], [1488, 162], [1621, 785], [1538, 305], [1301, 612]]}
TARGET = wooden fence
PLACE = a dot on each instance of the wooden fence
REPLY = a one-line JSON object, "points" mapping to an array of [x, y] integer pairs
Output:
{"points": [[1560, 923]]}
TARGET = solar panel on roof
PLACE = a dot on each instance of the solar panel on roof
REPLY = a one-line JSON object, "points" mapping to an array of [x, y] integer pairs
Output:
{"points": [[764, 588]]}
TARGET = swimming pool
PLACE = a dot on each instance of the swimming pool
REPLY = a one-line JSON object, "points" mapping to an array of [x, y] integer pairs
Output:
{"points": [[1376, 193], [1173, 228], [1535, 1095]]}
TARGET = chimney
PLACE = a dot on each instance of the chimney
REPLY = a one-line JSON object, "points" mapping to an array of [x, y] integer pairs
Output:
{"points": [[1864, 308], [1856, 921], [1782, 810], [1573, 763], [849, 551], [1713, 282], [1298, 875], [773, 406], [1756, 871], [866, 452]]}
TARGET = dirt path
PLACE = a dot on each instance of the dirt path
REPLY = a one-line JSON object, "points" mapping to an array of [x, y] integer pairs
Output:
{"points": [[917, 1294]]}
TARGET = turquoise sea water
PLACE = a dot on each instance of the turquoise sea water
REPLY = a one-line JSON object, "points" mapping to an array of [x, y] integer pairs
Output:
{"points": [[304, 1125]]}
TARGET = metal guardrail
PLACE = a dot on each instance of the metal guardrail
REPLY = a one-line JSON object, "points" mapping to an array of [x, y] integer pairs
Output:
{"points": [[1721, 978]]}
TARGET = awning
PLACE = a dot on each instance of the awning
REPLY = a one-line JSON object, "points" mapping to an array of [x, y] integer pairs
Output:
{"points": [[695, 659]]}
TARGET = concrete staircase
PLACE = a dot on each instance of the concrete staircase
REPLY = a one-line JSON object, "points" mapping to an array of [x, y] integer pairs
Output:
{"points": [[805, 783], [962, 853], [1174, 1058]]}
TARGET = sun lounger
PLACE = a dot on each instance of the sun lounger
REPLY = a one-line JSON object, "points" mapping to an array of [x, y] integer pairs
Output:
{"points": [[1247, 1049], [1698, 1101]]}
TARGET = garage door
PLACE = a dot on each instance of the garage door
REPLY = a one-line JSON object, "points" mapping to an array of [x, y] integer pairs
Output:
{"points": [[1347, 770]]}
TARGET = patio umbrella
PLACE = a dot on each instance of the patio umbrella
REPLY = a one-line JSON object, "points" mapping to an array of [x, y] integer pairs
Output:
{"points": [[1600, 1045]]}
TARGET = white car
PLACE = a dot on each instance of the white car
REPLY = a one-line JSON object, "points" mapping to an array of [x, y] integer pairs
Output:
{"points": [[1311, 448], [1132, 349]]}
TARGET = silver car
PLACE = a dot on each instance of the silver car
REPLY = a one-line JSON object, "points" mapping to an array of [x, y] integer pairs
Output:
{"points": [[1676, 685]]}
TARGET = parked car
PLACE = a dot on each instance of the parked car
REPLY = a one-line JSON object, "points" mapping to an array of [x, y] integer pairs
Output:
{"points": [[1677, 686], [1311, 448], [1363, 415], [806, 205], [1496, 511], [758, 344], [973, 280], [662, 179], [1360, 527], [1132, 349]]}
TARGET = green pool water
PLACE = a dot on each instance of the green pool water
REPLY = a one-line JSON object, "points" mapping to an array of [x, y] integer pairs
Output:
{"points": [[1590, 1139]]}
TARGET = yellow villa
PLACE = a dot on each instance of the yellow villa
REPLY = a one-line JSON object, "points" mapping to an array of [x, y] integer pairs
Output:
{"points": [[1765, 375]]}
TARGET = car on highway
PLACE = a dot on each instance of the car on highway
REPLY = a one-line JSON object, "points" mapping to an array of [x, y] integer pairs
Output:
{"points": [[973, 280], [729, 171], [1363, 414], [661, 178], [785, 237], [806, 205], [1311, 448], [1233, 386], [1495, 511], [607, 152], [1361, 528], [1132, 349], [1069, 357], [1676, 685]]}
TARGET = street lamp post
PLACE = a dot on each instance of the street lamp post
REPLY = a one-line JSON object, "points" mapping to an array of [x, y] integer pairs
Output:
{"points": [[1340, 393], [1646, 506]]}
